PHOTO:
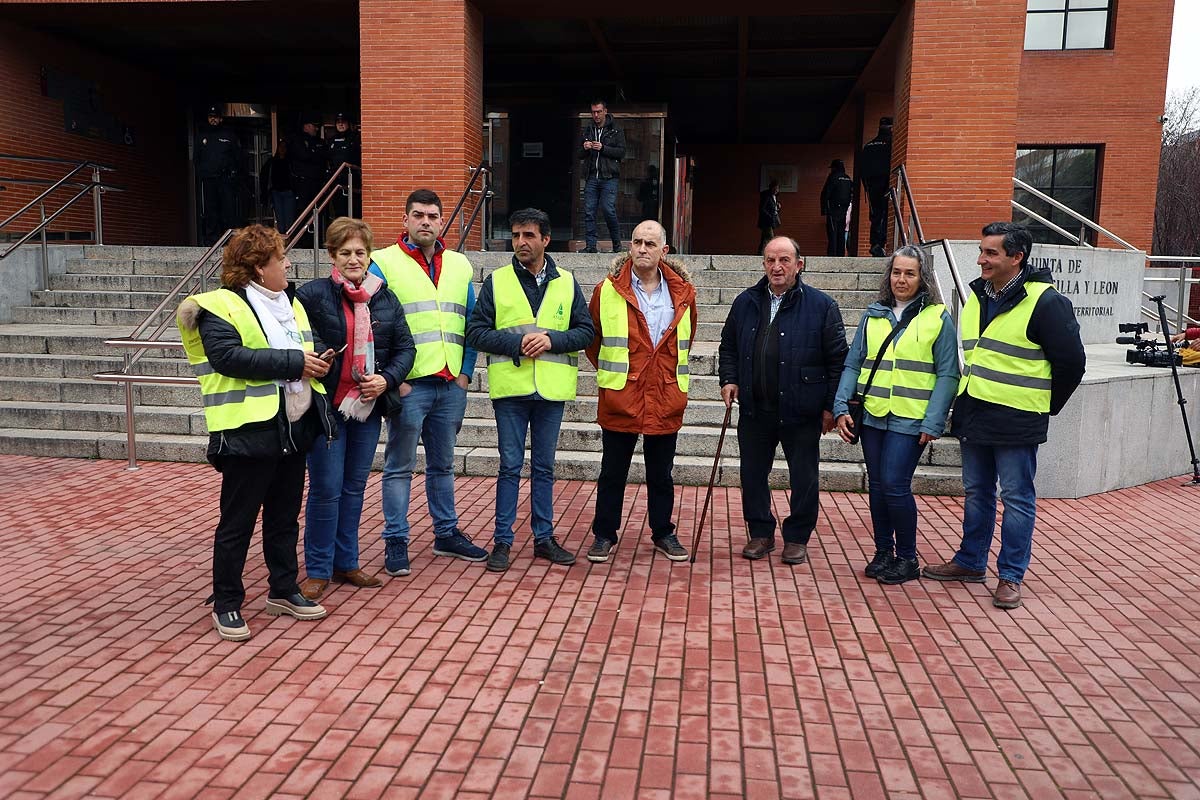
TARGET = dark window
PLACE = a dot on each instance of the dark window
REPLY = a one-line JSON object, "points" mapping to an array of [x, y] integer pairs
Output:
{"points": [[1067, 24], [1068, 174]]}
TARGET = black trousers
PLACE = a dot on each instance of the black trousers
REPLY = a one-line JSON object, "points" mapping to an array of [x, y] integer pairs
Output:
{"points": [[758, 436], [220, 207], [247, 484], [835, 232], [877, 198], [659, 455]]}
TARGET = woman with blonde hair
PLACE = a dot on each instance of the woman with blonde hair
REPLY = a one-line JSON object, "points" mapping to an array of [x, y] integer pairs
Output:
{"points": [[362, 327]]}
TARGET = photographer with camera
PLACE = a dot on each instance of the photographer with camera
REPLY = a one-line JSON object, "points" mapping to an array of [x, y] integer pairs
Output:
{"points": [[1023, 359], [1148, 352], [1185, 336]]}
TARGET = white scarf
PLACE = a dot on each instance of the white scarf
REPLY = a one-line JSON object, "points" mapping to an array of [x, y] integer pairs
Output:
{"points": [[278, 320]]}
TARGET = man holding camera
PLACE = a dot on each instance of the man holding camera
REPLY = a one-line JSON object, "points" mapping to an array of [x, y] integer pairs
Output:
{"points": [[1023, 359]]}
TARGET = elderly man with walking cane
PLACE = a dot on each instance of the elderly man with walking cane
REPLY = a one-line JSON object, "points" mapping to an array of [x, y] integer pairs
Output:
{"points": [[782, 351]]}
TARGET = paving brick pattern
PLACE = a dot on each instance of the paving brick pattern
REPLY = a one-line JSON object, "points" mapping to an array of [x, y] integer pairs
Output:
{"points": [[639, 678]]}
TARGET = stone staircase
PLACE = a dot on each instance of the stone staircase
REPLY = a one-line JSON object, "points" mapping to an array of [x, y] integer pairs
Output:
{"points": [[51, 406]]}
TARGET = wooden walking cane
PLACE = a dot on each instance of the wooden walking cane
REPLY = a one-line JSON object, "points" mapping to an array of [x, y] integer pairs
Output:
{"points": [[712, 479]]}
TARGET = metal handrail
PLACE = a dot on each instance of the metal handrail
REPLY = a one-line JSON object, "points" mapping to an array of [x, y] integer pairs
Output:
{"points": [[902, 176], [483, 167], [1020, 184]]}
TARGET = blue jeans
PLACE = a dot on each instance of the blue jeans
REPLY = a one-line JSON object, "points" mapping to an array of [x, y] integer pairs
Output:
{"points": [[337, 477], [604, 192], [433, 414], [1015, 467], [891, 461], [515, 416]]}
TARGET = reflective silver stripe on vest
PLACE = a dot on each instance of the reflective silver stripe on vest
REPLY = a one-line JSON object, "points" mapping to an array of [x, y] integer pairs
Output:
{"points": [[869, 364], [1016, 351], [910, 393], [877, 391], [682, 369], [969, 344], [1023, 381], [685, 344], [204, 369], [419, 306], [495, 359], [454, 308], [569, 359], [239, 395], [531, 328], [308, 337], [915, 366], [613, 366], [427, 337], [614, 341]]}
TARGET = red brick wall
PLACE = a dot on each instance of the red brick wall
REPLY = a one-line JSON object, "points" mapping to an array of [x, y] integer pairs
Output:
{"points": [[422, 104], [153, 210], [725, 198], [956, 112], [1112, 98]]}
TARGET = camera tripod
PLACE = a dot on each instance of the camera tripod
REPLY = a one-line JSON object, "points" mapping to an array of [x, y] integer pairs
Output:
{"points": [[1162, 320]]}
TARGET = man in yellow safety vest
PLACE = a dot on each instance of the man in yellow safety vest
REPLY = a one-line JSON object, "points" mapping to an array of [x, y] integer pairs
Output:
{"points": [[1023, 359], [532, 321]]}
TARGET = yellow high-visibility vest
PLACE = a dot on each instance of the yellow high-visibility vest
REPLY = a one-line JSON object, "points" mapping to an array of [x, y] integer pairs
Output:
{"points": [[613, 368], [552, 376], [1001, 364], [436, 315], [233, 402], [906, 376]]}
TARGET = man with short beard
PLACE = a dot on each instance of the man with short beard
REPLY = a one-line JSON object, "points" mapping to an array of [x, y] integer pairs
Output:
{"points": [[532, 321], [644, 313]]}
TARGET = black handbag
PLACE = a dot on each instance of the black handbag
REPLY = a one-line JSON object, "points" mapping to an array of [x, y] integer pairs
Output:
{"points": [[857, 401]]}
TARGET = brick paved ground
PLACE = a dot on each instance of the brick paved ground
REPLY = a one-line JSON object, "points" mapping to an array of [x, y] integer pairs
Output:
{"points": [[637, 678]]}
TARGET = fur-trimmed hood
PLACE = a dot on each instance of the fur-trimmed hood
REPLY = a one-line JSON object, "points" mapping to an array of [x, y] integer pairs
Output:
{"points": [[188, 314], [675, 266]]}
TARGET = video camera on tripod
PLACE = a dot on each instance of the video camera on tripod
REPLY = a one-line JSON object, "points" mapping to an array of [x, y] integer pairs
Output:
{"points": [[1147, 351]]}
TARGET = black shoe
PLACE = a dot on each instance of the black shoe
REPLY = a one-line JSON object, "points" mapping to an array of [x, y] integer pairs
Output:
{"points": [[296, 605], [498, 560], [670, 547], [231, 626], [901, 570], [588, 250], [616, 247], [553, 552], [882, 560], [598, 553]]}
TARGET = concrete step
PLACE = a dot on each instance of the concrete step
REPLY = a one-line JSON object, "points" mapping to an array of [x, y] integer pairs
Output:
{"points": [[84, 339], [87, 390], [477, 461], [127, 318]]}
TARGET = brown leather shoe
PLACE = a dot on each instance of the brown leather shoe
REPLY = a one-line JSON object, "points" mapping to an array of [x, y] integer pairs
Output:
{"points": [[1008, 595], [951, 571], [794, 553], [356, 577], [758, 547], [313, 588]]}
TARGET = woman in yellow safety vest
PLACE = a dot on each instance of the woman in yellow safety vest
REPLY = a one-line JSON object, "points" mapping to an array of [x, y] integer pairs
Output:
{"points": [[906, 404], [251, 346]]}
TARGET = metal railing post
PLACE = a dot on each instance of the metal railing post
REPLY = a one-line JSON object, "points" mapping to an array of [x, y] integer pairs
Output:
{"points": [[316, 222], [1183, 285], [98, 214], [349, 193], [130, 427], [45, 249]]}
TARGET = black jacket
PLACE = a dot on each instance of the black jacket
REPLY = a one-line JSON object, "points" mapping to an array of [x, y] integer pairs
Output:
{"points": [[276, 176], [218, 152], [306, 155], [395, 350], [768, 210], [275, 437], [875, 161], [605, 163], [345, 148], [836, 193], [1054, 328], [481, 328], [812, 350]]}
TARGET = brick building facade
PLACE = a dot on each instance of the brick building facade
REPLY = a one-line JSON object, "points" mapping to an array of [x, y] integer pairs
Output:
{"points": [[965, 93]]}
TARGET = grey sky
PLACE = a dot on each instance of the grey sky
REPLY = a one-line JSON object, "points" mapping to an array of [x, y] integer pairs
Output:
{"points": [[1185, 52]]}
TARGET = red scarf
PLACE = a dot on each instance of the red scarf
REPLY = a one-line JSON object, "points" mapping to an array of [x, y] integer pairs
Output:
{"points": [[360, 361]]}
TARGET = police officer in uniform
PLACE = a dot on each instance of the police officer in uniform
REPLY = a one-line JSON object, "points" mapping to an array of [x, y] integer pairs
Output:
{"points": [[306, 154], [218, 161], [345, 148], [835, 201], [875, 169]]}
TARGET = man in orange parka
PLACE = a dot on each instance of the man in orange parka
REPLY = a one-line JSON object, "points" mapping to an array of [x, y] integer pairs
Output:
{"points": [[645, 315]]}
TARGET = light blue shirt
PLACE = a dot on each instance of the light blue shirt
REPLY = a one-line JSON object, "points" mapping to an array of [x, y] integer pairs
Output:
{"points": [[656, 306]]}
